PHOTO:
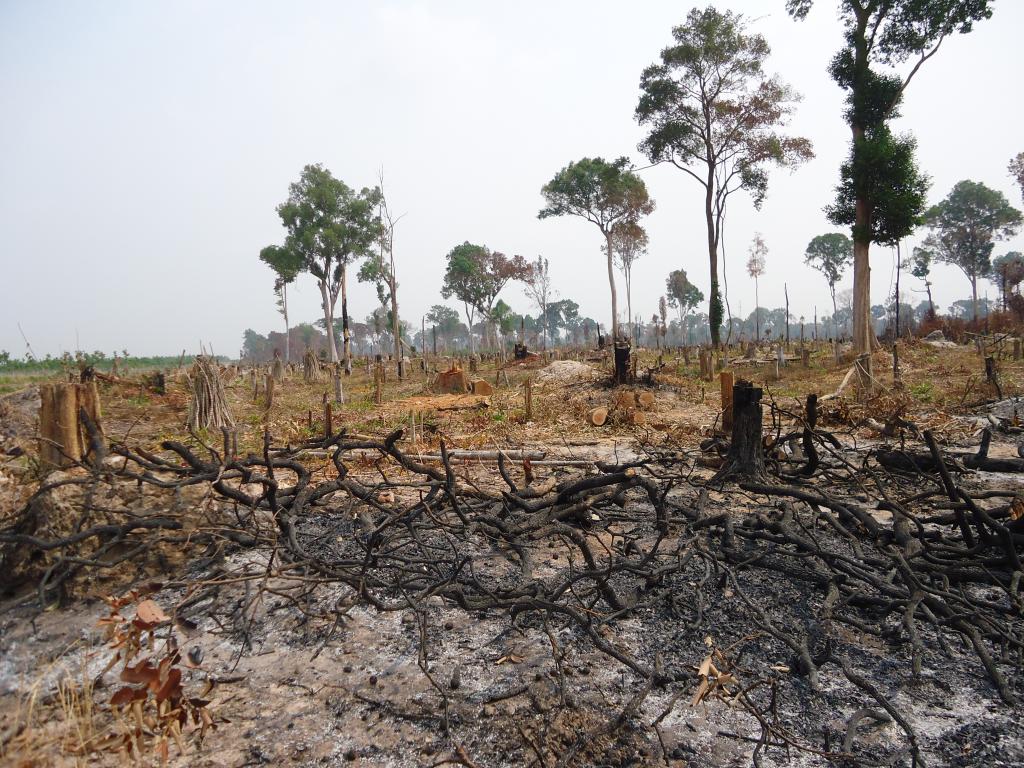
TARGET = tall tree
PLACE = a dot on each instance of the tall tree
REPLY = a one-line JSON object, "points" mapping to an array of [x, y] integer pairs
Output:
{"points": [[445, 320], [286, 265], [881, 193], [538, 287], [756, 264], [1007, 272], [379, 269], [829, 254], [604, 193], [965, 227], [1016, 169], [713, 113], [683, 296], [475, 275], [329, 225], [629, 243], [504, 319], [921, 268]]}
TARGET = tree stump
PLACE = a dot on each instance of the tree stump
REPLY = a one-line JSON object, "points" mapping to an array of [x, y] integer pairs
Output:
{"points": [[268, 390], [745, 460], [453, 381], [727, 388], [69, 423], [621, 350]]}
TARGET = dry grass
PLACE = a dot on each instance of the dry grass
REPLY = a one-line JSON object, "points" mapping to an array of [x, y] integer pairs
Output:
{"points": [[936, 384]]}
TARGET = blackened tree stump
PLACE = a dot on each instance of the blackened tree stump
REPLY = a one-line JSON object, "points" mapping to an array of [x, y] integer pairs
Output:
{"points": [[745, 460]]}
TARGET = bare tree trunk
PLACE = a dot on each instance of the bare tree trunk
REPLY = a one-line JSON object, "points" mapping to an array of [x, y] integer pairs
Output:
{"points": [[287, 331], [757, 313], [396, 326], [974, 299], [785, 288], [345, 330], [469, 320], [863, 334], [629, 304], [714, 300], [611, 284], [329, 320]]}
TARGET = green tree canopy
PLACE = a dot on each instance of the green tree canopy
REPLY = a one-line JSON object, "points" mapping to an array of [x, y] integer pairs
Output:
{"points": [[881, 192], [1007, 272], [475, 276], [683, 295], [1016, 169], [328, 225], [829, 254], [713, 112], [287, 265], [603, 193], [965, 226]]}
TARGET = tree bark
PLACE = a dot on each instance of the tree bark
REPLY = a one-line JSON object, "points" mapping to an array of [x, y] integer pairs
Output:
{"points": [[974, 299], [629, 307], [396, 324], [345, 331], [714, 300], [329, 320], [611, 284], [287, 331], [745, 459]]}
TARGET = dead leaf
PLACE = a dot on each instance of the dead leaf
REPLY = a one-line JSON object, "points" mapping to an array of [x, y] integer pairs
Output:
{"points": [[1017, 508], [127, 695], [151, 613]]}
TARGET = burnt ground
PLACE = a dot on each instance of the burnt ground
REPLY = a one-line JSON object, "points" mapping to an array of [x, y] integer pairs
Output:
{"points": [[632, 613]]}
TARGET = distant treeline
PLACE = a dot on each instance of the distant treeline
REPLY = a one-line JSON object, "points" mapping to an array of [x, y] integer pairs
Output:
{"points": [[79, 360]]}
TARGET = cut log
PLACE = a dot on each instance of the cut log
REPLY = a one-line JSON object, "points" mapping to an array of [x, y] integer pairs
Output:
{"points": [[645, 400], [624, 400], [481, 387], [635, 418], [597, 417]]}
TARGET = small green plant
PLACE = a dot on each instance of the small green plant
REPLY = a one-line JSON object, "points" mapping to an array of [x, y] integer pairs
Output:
{"points": [[923, 391]]}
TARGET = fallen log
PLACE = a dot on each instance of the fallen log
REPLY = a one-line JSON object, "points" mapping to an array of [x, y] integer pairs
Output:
{"points": [[921, 461]]}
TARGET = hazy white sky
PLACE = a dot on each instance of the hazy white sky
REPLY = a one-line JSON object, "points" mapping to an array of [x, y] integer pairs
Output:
{"points": [[145, 146]]}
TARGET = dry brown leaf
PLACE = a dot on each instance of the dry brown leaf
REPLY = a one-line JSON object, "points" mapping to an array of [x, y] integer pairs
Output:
{"points": [[701, 692], [151, 613], [1017, 508], [705, 667]]}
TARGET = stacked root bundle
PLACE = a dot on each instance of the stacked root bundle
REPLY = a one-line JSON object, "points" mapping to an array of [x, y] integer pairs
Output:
{"points": [[311, 368], [208, 408]]}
